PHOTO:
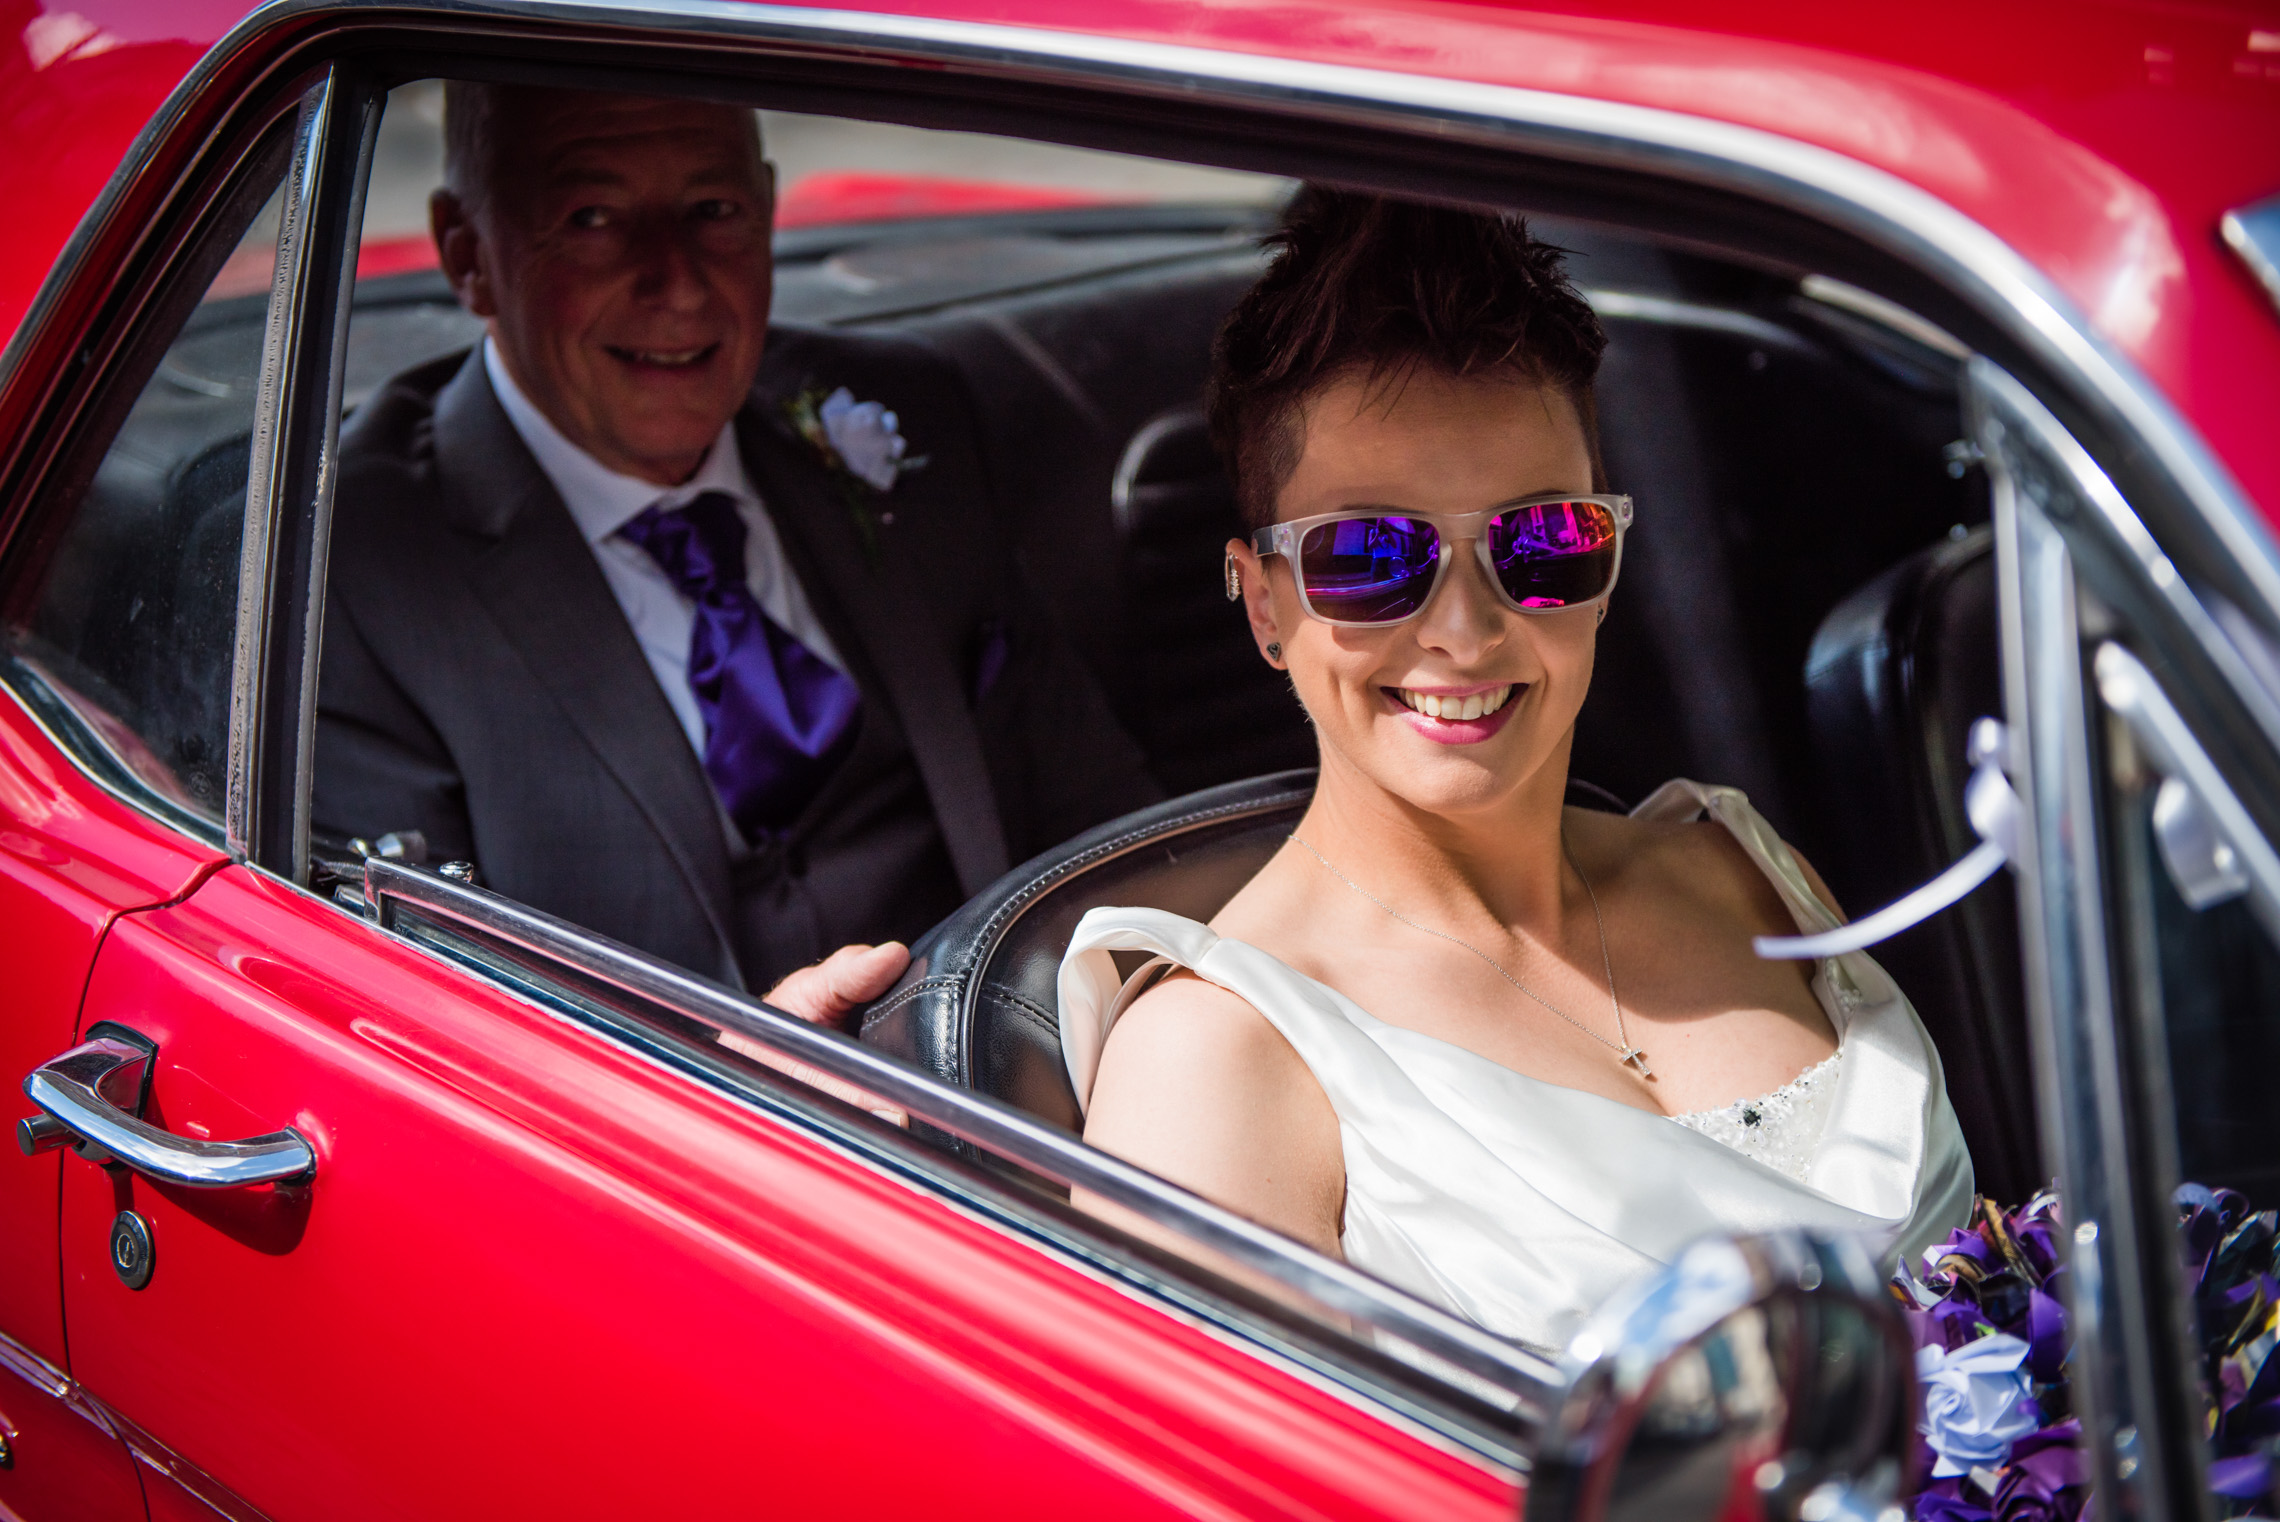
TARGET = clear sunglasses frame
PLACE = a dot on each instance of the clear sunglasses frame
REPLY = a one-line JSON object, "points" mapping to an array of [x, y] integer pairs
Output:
{"points": [[1455, 529]]}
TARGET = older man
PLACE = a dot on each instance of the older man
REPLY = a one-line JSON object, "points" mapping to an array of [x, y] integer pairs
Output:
{"points": [[642, 609]]}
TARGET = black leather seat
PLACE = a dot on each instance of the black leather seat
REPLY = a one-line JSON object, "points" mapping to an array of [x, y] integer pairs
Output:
{"points": [[1898, 672], [978, 1006]]}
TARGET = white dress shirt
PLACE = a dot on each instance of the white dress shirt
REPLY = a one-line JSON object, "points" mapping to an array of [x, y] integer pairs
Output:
{"points": [[601, 502]]}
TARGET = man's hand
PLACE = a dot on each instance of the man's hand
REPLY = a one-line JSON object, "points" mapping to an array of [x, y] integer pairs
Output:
{"points": [[827, 994], [834, 988]]}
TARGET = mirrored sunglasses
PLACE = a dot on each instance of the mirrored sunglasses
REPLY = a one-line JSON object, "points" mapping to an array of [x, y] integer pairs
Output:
{"points": [[1544, 555]]}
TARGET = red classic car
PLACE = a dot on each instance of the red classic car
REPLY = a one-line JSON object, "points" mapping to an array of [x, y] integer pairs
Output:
{"points": [[1945, 368]]}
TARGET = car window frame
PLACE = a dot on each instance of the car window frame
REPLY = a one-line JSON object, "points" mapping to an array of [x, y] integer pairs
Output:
{"points": [[2120, 659]]}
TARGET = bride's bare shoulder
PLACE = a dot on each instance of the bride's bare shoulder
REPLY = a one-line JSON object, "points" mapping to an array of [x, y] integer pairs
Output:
{"points": [[1192, 1028], [1695, 861], [1199, 1087]]}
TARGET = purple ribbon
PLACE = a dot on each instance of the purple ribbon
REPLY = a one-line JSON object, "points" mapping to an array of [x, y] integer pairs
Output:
{"points": [[776, 714]]}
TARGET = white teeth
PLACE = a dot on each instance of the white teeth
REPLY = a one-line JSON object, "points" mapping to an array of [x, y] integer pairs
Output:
{"points": [[668, 357], [1456, 708]]}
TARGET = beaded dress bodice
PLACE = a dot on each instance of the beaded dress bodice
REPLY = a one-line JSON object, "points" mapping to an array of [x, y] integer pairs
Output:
{"points": [[1781, 1129]]}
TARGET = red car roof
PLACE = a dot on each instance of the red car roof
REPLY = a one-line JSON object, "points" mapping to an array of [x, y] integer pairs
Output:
{"points": [[2102, 142]]}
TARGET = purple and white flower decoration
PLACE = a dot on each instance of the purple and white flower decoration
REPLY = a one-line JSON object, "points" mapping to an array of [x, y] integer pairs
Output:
{"points": [[1978, 1401]]}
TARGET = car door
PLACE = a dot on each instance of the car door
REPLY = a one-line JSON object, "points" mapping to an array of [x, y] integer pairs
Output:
{"points": [[392, 1198]]}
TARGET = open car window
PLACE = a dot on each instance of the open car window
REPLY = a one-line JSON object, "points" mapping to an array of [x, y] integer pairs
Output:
{"points": [[1074, 294]]}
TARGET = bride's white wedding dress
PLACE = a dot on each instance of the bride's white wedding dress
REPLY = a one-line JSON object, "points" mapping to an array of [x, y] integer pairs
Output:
{"points": [[1519, 1203]]}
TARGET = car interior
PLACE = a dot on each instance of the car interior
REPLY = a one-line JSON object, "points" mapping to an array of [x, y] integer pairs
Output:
{"points": [[1806, 611]]}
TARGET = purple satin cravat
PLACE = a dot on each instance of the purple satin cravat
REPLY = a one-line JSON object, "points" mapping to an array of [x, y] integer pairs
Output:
{"points": [[776, 714]]}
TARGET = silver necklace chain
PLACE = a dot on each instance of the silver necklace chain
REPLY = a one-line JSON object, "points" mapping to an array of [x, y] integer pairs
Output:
{"points": [[1622, 1047]]}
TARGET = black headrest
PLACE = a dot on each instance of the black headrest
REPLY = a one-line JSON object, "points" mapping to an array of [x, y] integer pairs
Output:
{"points": [[979, 1006], [1898, 672]]}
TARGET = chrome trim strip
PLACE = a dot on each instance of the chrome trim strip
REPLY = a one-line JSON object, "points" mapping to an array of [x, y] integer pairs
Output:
{"points": [[265, 474], [1890, 314], [288, 528], [57, 1386], [34, 1370], [1663, 311], [1528, 1384], [2090, 486], [2253, 232], [2131, 692], [2071, 1014]]}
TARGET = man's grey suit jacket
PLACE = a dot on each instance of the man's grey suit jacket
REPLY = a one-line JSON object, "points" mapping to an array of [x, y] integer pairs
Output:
{"points": [[480, 684]]}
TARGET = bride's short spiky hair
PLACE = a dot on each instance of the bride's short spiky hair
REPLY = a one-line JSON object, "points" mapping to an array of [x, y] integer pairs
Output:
{"points": [[1368, 284]]}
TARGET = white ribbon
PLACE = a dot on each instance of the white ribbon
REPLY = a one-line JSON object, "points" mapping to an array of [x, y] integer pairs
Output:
{"points": [[1993, 808]]}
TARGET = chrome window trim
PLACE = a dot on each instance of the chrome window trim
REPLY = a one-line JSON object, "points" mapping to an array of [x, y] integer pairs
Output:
{"points": [[2134, 694], [2128, 1367], [249, 666], [2253, 232], [1528, 1381], [290, 475]]}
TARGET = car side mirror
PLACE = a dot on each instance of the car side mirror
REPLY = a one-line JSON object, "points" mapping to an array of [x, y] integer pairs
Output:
{"points": [[1758, 1377]]}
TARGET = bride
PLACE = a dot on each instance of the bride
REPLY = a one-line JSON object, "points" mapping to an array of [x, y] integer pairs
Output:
{"points": [[1504, 1053]]}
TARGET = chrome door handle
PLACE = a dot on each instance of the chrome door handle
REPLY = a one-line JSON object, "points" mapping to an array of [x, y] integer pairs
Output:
{"points": [[93, 1096]]}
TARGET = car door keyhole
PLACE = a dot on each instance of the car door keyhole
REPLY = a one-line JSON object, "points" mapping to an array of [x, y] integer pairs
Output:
{"points": [[132, 1254]]}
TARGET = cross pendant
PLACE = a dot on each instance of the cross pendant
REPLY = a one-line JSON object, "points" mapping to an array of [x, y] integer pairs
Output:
{"points": [[1638, 1059]]}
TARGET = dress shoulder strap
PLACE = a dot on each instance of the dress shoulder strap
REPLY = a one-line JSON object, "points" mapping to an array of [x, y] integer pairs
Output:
{"points": [[1330, 1033], [1093, 991], [1681, 799]]}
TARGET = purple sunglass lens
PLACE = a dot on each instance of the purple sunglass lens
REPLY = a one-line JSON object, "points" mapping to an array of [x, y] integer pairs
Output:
{"points": [[1554, 554], [1369, 570]]}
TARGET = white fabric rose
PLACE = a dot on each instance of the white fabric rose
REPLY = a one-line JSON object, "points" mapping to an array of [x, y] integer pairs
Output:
{"points": [[864, 436], [1977, 1402]]}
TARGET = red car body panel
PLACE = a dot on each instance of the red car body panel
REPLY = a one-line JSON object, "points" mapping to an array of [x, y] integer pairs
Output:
{"points": [[2101, 142], [720, 1286], [72, 859]]}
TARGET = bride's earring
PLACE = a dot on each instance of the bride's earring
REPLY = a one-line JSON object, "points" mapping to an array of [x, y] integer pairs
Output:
{"points": [[1602, 613], [1274, 651], [1234, 580]]}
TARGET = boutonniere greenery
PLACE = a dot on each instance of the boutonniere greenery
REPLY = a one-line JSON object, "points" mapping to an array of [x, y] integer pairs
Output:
{"points": [[862, 448]]}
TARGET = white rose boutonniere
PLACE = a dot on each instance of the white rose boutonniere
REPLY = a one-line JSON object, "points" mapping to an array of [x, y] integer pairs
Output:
{"points": [[862, 446], [865, 437]]}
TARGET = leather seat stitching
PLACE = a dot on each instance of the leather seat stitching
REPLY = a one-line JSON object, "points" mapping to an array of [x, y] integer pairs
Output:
{"points": [[1044, 1018], [896, 1001]]}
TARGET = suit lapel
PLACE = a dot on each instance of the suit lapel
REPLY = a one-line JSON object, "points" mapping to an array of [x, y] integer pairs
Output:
{"points": [[876, 616], [538, 579]]}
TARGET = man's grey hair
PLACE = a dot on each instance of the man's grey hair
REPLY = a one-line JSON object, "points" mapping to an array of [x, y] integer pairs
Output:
{"points": [[472, 116]]}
